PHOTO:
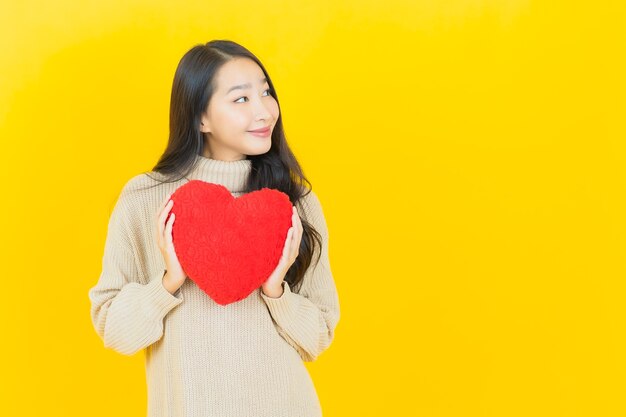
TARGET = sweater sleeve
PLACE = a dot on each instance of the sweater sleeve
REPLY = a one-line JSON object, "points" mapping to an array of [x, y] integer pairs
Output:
{"points": [[307, 319], [126, 314]]}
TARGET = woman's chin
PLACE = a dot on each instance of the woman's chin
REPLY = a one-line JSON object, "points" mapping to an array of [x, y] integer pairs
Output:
{"points": [[258, 150]]}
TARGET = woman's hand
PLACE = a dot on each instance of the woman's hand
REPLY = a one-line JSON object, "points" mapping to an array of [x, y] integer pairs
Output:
{"points": [[272, 287], [174, 276]]}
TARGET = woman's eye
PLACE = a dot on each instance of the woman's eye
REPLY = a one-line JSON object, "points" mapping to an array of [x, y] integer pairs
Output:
{"points": [[237, 101]]}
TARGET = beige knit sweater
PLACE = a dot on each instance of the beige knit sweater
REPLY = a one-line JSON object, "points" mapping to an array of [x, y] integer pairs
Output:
{"points": [[204, 359]]}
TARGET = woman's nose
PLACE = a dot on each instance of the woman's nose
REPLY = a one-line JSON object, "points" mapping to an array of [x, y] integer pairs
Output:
{"points": [[262, 112]]}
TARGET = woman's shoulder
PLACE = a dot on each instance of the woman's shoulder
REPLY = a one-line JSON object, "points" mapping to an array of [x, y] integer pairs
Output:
{"points": [[142, 183], [309, 198], [310, 206], [143, 190]]}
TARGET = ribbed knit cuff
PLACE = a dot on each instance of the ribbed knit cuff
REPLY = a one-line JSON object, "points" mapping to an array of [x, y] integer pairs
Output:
{"points": [[285, 307], [158, 299]]}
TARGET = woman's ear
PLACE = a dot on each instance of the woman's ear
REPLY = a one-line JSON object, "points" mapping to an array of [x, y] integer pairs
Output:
{"points": [[204, 124]]}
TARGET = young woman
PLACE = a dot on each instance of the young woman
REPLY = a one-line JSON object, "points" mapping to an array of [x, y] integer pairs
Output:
{"points": [[202, 358]]}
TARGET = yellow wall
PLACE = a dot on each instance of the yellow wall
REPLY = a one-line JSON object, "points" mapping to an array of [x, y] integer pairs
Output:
{"points": [[469, 156]]}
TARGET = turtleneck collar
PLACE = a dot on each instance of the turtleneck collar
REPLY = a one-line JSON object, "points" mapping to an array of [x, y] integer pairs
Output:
{"points": [[231, 174]]}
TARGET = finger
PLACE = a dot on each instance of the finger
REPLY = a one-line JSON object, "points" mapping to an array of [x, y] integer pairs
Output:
{"points": [[163, 216], [162, 225], [296, 218], [294, 224], [163, 204], [295, 244], [299, 223], [296, 241], [157, 216], [161, 208], [287, 243], [167, 198], [301, 230], [168, 229], [298, 227], [159, 222]]}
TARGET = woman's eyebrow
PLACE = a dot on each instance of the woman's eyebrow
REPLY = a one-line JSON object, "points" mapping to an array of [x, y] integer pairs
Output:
{"points": [[246, 85]]}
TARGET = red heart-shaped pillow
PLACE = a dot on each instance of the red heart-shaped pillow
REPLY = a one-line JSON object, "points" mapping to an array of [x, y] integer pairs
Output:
{"points": [[229, 246]]}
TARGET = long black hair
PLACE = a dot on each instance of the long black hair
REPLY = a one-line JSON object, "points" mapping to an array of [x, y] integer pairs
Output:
{"points": [[193, 86]]}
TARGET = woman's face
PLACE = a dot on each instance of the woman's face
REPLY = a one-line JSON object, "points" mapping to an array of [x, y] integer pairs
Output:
{"points": [[240, 103]]}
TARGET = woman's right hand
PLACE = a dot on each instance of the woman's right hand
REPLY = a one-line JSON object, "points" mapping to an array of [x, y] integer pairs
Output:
{"points": [[174, 276]]}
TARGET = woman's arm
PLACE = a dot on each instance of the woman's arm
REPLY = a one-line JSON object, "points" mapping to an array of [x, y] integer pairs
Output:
{"points": [[307, 319], [127, 315]]}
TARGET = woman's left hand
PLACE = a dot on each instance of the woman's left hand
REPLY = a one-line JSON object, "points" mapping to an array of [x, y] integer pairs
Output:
{"points": [[273, 287]]}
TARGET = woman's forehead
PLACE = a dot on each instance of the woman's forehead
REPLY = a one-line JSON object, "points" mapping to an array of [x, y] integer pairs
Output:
{"points": [[239, 74]]}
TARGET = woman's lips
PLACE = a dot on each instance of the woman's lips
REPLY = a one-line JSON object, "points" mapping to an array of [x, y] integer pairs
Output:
{"points": [[261, 133]]}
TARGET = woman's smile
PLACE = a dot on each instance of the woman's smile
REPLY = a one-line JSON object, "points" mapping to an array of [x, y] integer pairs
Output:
{"points": [[263, 133]]}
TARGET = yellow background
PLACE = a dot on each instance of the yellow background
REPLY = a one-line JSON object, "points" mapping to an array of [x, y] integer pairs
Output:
{"points": [[469, 156]]}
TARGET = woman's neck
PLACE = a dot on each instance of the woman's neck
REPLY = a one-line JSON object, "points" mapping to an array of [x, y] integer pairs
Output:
{"points": [[231, 174]]}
